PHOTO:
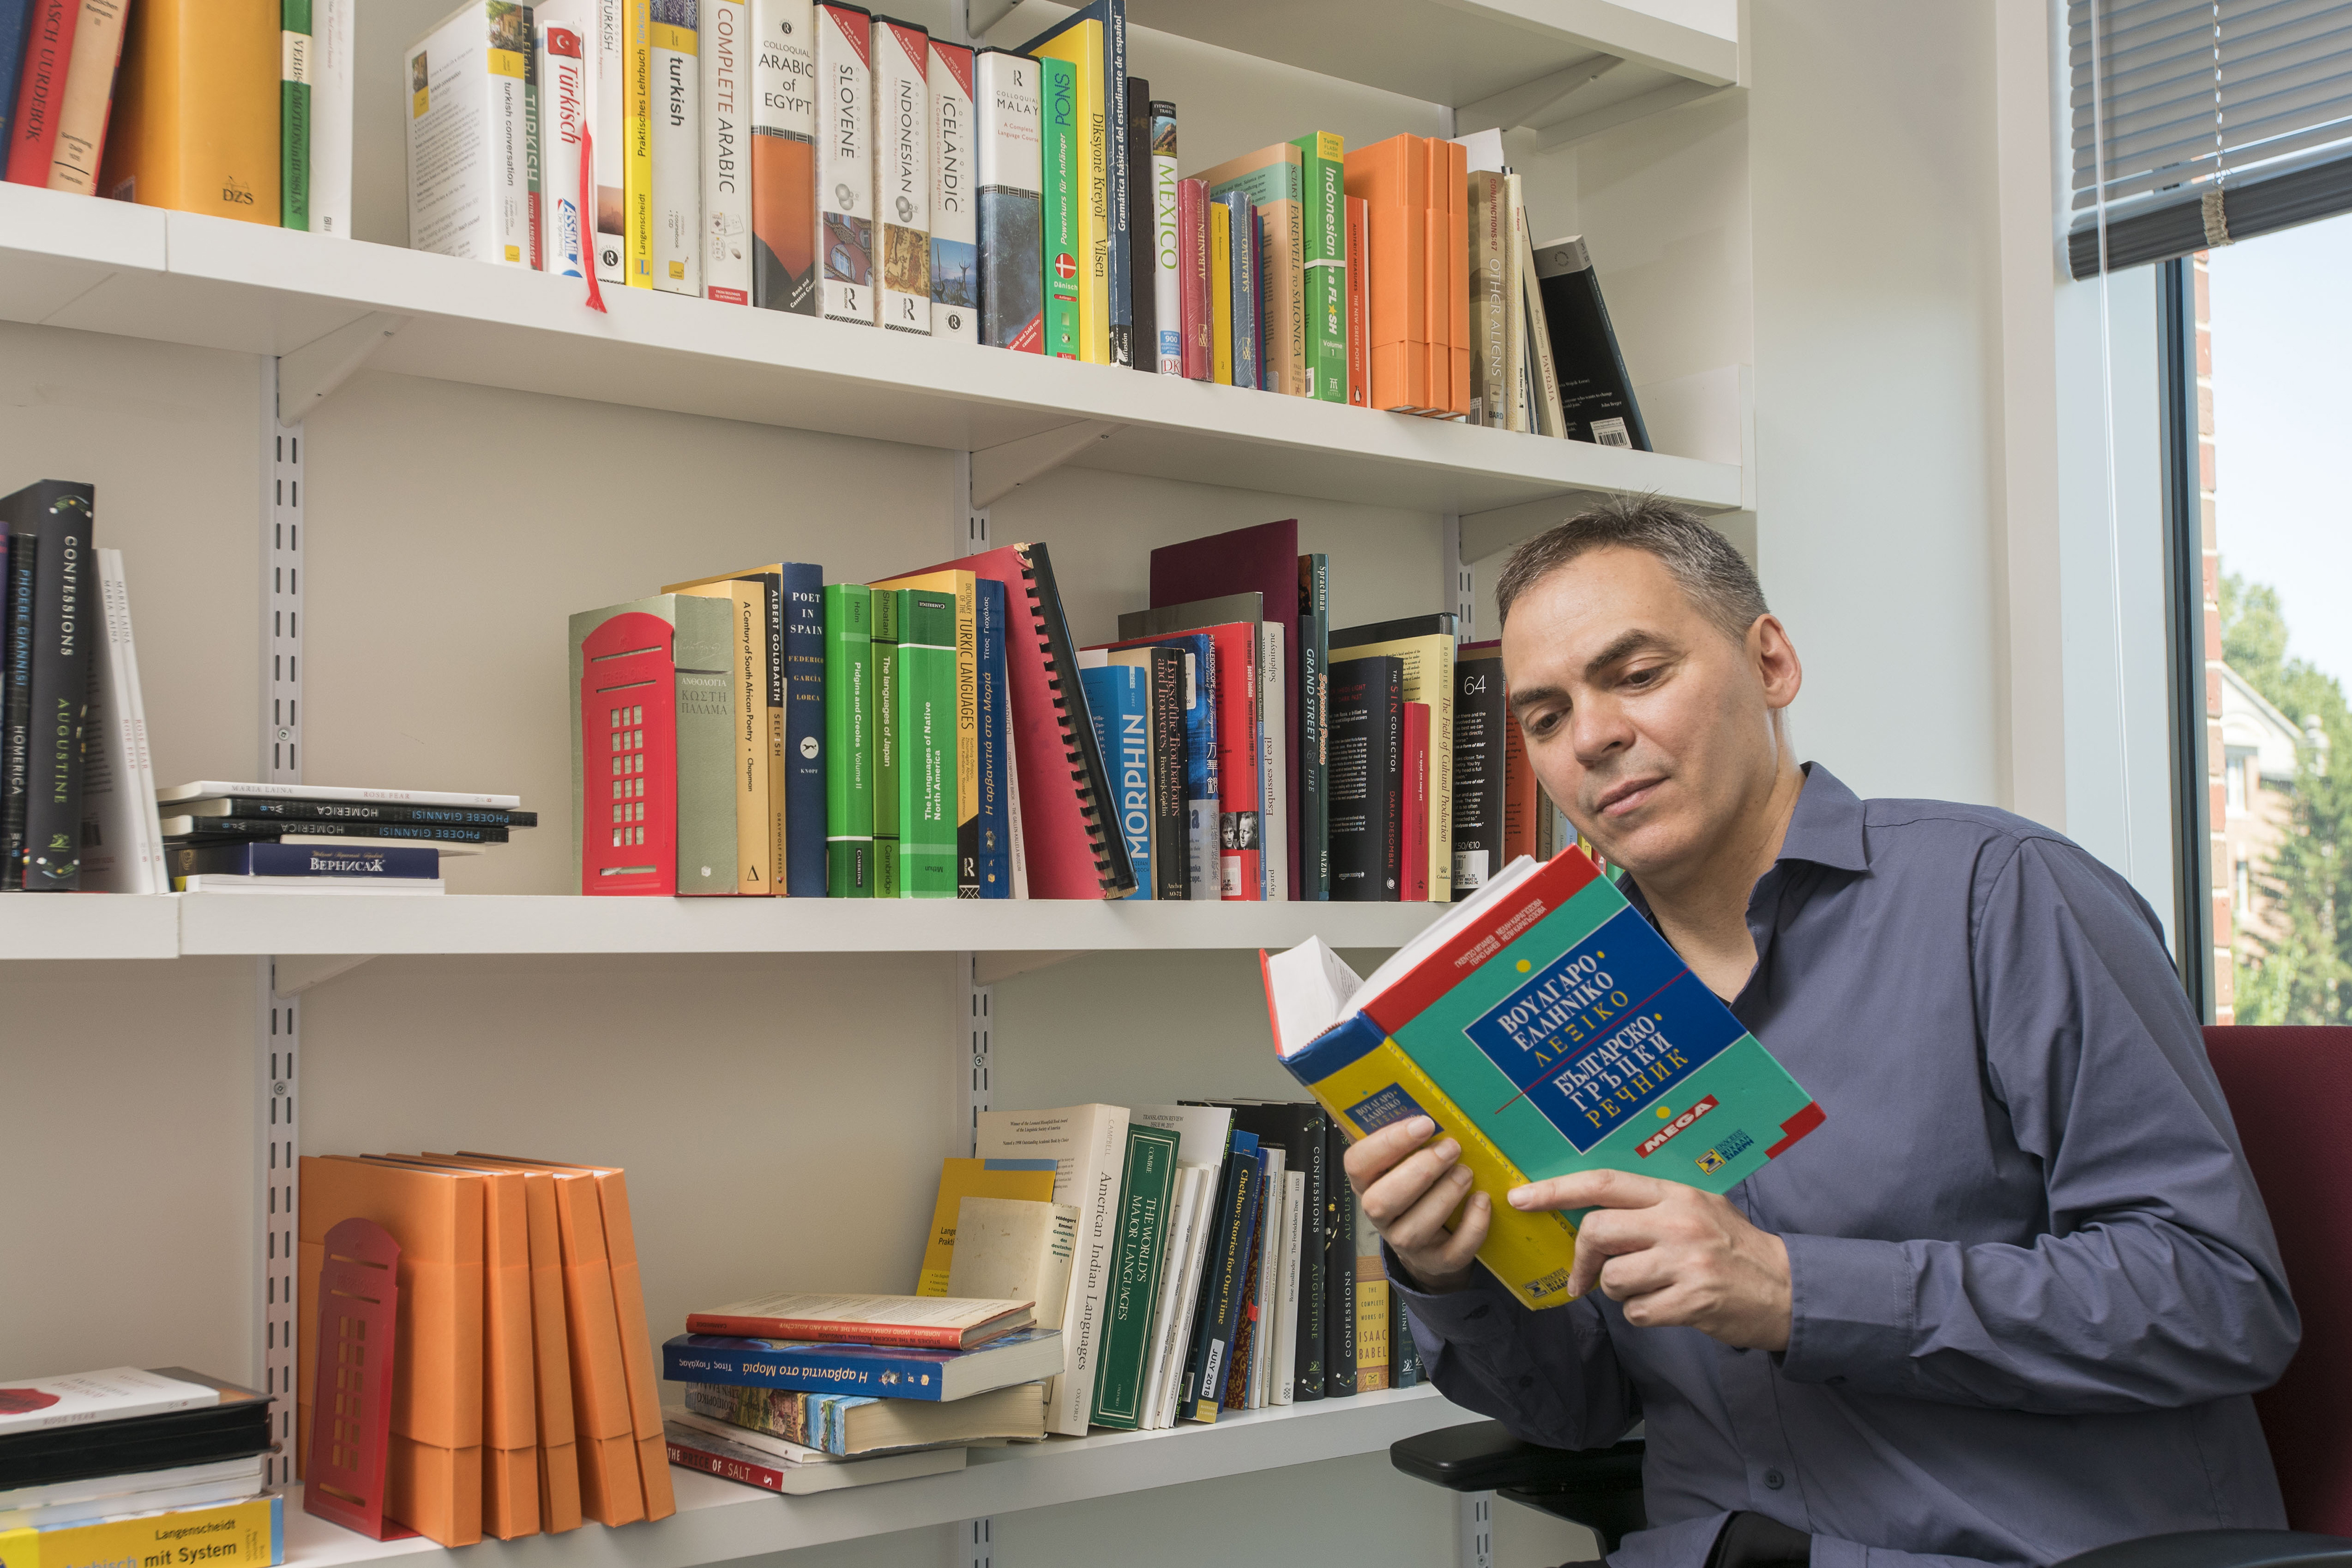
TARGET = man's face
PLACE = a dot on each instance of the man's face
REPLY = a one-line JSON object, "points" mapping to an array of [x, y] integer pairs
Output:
{"points": [[1648, 725]]}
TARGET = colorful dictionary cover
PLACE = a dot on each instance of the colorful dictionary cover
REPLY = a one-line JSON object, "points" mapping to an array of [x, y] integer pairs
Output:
{"points": [[1547, 1026]]}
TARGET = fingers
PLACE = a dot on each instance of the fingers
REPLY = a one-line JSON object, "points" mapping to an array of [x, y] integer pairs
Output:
{"points": [[1446, 1259], [1369, 1158], [1395, 1194], [1592, 1189], [1606, 1234], [1423, 1225]]}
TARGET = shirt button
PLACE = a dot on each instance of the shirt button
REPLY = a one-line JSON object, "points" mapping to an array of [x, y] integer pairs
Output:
{"points": [[1775, 1479]]}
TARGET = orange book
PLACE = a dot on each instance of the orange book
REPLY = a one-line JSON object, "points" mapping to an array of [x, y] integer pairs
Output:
{"points": [[434, 1475], [196, 108], [636, 1340], [1434, 275], [1391, 178], [1458, 276]]}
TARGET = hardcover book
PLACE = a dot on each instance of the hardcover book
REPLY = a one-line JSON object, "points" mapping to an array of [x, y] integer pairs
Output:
{"points": [[1012, 265], [1226, 1279], [1062, 202], [962, 590], [117, 1393], [1221, 294], [1093, 39], [1548, 998], [1274, 179], [992, 794], [895, 1371], [1171, 707], [1457, 276], [1359, 319], [294, 116], [1414, 806], [1242, 261], [122, 839], [1197, 346], [931, 1322], [468, 119], [1481, 717], [1167, 264], [928, 743], [265, 859], [196, 112], [783, 157], [1145, 1186], [849, 712], [1596, 395], [89, 93], [1202, 827], [16, 18], [902, 172], [696, 1448], [1204, 1135], [1424, 644], [766, 701], [1490, 368], [40, 93], [1391, 178], [1367, 763], [889, 739], [1323, 231], [806, 735], [724, 51], [846, 237], [1118, 704], [749, 729], [59, 587], [955, 210], [1314, 695], [1142, 294]]}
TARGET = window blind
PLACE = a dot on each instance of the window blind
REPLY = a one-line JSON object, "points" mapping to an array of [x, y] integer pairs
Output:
{"points": [[2201, 121]]}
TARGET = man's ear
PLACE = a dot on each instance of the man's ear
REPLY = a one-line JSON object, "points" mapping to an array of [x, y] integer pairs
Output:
{"points": [[1774, 658]]}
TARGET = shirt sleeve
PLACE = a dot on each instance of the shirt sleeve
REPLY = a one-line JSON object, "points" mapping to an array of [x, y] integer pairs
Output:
{"points": [[2157, 1281], [1551, 1376]]}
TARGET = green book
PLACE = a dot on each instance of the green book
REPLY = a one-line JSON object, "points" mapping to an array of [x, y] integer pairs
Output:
{"points": [[294, 116], [1323, 162], [889, 739], [926, 753], [848, 741], [1147, 1186], [1062, 180]]}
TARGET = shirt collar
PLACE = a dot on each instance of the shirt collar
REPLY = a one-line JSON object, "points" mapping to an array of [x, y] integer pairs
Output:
{"points": [[1826, 828]]}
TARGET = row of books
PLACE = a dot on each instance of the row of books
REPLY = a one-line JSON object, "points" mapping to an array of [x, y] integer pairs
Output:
{"points": [[524, 1385], [129, 1465], [229, 837], [237, 108]]}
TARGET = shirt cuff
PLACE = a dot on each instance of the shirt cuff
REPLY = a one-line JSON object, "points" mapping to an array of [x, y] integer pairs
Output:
{"points": [[1849, 1307], [1480, 1311]]}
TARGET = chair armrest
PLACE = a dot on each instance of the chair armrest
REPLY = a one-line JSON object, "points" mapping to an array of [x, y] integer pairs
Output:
{"points": [[1484, 1457], [2220, 1548]]}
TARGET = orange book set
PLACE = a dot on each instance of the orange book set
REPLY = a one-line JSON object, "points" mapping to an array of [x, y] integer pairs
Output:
{"points": [[1416, 195]]}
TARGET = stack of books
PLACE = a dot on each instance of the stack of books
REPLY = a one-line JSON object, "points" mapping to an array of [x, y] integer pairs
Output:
{"points": [[524, 1398], [324, 838], [126, 1465], [800, 1392]]}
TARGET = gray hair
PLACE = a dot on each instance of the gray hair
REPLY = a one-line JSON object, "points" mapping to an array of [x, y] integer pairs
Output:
{"points": [[1717, 578]]}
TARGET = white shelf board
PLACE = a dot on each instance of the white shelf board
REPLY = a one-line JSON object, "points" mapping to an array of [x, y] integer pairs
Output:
{"points": [[298, 923], [89, 925], [1454, 52], [78, 262], [718, 1521]]}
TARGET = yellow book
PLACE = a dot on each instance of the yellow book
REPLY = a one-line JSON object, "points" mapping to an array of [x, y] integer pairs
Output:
{"points": [[1221, 294], [1428, 677], [196, 108], [227, 1535], [964, 586], [770, 579], [1028, 1180], [755, 850], [637, 146], [1081, 44]]}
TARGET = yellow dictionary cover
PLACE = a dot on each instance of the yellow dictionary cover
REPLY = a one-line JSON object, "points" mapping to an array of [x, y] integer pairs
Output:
{"points": [[1221, 294], [246, 1534], [1028, 1180], [1081, 44], [196, 108]]}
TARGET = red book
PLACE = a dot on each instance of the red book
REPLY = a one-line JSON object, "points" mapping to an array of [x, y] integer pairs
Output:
{"points": [[914, 1323], [1360, 318], [628, 712], [1235, 682], [1192, 253], [1413, 800], [41, 90], [1262, 560]]}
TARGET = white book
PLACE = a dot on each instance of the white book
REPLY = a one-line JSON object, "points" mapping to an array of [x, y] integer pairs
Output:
{"points": [[607, 120], [1204, 1133], [333, 35], [845, 165], [394, 887], [121, 849], [468, 128], [1086, 1143], [84, 1398], [902, 172], [955, 197], [1182, 1215], [566, 110], [727, 150], [1167, 281], [1012, 280], [41, 1494], [213, 789], [1274, 816], [155, 1499], [1285, 1315], [677, 148], [783, 154], [1266, 1289]]}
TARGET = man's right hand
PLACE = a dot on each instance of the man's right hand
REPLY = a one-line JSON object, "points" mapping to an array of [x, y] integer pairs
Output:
{"points": [[1410, 1191]]}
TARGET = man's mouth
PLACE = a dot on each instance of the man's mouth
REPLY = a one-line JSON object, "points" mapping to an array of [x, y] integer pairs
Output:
{"points": [[1620, 799]]}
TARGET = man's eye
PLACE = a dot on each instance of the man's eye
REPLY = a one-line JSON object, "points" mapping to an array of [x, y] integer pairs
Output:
{"points": [[1540, 724], [1645, 676]]}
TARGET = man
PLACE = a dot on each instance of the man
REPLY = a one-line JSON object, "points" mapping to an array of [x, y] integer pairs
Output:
{"points": [[2009, 1300]]}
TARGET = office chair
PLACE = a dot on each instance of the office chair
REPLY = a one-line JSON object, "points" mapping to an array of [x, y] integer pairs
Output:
{"points": [[2286, 1089]]}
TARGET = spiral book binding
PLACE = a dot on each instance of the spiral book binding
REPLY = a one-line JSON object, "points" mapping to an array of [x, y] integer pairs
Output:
{"points": [[1083, 755]]}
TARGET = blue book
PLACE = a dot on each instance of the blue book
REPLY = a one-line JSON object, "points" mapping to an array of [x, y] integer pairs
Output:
{"points": [[264, 859], [15, 21], [895, 1371], [1202, 822], [995, 673], [805, 759], [1118, 700], [1246, 247], [1218, 1317], [1112, 14]]}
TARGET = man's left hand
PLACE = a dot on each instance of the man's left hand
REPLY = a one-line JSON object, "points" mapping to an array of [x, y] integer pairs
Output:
{"points": [[1672, 1256]]}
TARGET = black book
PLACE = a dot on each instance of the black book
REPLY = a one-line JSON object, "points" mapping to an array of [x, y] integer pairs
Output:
{"points": [[1439, 624], [1172, 847], [1302, 1130], [1481, 721], [1085, 758], [1596, 395], [238, 829], [1314, 696], [236, 1427], [1367, 757], [15, 697], [1142, 229], [1404, 1352], [306, 811], [1225, 1272], [57, 514], [1339, 1271]]}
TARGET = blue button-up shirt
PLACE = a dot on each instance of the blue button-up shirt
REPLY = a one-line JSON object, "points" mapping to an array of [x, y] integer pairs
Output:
{"points": [[2033, 1284]]}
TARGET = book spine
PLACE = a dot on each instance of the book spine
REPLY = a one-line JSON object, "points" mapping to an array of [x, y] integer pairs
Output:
{"points": [[1139, 1257], [806, 739], [1458, 276], [1115, 877], [1120, 300], [1142, 229], [1171, 850], [1118, 705], [955, 196], [783, 157], [1012, 270], [507, 132], [1323, 229], [1063, 186], [1597, 400], [334, 30], [1388, 719], [807, 1367], [299, 814], [250, 1533], [1546, 414], [89, 95], [1217, 1222], [266, 860], [844, 233], [534, 120], [15, 16], [1413, 805], [1091, 185], [1241, 1353], [709, 719], [1167, 260], [889, 739], [65, 617], [608, 125], [724, 49], [964, 800], [41, 90], [565, 107], [15, 759], [1276, 780], [764, 1476], [849, 741], [1404, 1350], [1517, 412], [931, 653], [902, 174], [1360, 322], [637, 142], [1314, 696], [203, 828], [676, 142], [828, 1331], [1221, 294], [1311, 1154], [777, 1412], [1339, 1268], [1192, 240], [1490, 403], [1436, 357], [1232, 1251], [1247, 327], [1372, 1292], [993, 743]]}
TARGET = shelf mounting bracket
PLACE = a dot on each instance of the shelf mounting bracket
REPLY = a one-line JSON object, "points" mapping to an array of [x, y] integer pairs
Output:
{"points": [[310, 373], [998, 471], [1459, 594], [1475, 1522], [1525, 104], [979, 16]]}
